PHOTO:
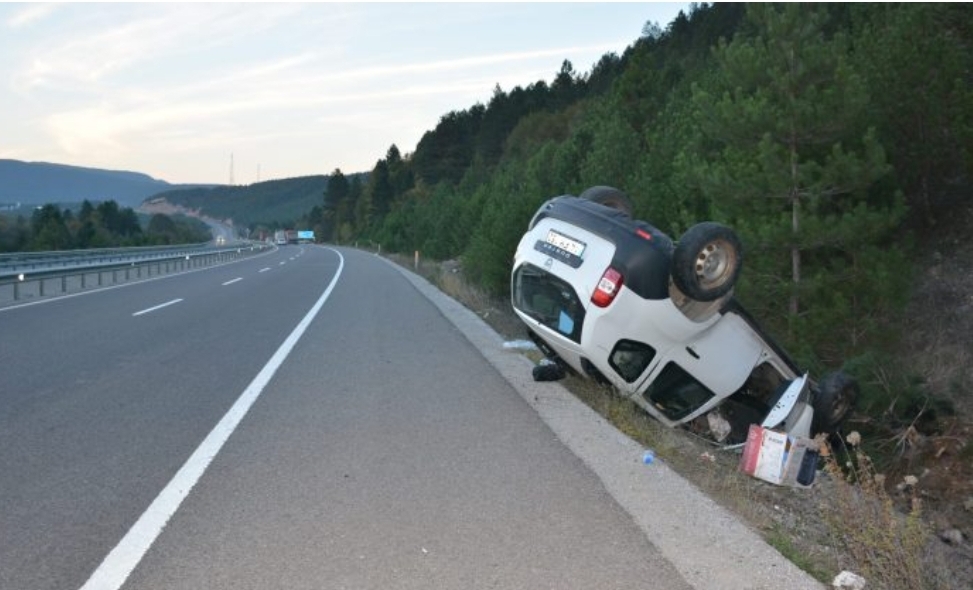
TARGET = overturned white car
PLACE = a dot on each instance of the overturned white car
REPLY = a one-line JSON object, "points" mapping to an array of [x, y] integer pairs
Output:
{"points": [[615, 299]]}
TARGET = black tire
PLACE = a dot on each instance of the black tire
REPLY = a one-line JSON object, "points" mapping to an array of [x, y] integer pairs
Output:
{"points": [[609, 197], [834, 399], [707, 261]]}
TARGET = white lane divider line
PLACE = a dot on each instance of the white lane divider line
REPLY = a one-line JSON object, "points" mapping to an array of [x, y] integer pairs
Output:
{"points": [[236, 280], [264, 269], [122, 560], [157, 307]]}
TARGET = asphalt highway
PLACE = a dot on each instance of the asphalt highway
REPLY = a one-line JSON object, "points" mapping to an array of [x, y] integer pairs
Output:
{"points": [[307, 418]]}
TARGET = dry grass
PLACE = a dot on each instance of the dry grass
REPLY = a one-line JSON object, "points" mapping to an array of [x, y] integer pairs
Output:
{"points": [[884, 543]]}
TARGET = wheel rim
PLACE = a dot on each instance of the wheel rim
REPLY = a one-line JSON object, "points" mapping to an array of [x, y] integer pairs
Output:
{"points": [[841, 405], [715, 263]]}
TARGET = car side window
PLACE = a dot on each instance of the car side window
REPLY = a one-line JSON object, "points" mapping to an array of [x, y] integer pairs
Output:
{"points": [[549, 300], [676, 393], [630, 359]]}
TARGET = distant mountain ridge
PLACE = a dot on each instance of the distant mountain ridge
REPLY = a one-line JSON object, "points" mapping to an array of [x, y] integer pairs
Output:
{"points": [[280, 201], [39, 183]]}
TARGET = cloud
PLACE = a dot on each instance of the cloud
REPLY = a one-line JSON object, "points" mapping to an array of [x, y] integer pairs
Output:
{"points": [[297, 92], [103, 44], [471, 62], [29, 15]]}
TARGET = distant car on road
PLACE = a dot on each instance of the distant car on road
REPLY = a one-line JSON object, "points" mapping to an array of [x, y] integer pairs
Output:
{"points": [[615, 299]]}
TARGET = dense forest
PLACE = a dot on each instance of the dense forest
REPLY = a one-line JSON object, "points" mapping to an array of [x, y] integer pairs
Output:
{"points": [[832, 137], [105, 225]]}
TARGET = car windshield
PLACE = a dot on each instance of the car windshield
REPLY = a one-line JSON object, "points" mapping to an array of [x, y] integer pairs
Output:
{"points": [[549, 300]]}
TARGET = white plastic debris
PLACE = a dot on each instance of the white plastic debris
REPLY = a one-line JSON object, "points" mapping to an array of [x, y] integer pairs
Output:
{"points": [[520, 345], [719, 426], [848, 581], [952, 536]]}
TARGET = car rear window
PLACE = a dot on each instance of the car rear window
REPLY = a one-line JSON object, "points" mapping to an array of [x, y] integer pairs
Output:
{"points": [[549, 300]]}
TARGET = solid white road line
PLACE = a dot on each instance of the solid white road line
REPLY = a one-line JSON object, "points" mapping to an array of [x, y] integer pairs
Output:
{"points": [[151, 309], [122, 560], [236, 280]]}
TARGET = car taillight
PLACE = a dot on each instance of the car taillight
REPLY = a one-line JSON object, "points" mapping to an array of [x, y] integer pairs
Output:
{"points": [[608, 287]]}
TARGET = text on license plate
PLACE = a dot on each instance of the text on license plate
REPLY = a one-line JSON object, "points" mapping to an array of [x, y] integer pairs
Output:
{"points": [[565, 243]]}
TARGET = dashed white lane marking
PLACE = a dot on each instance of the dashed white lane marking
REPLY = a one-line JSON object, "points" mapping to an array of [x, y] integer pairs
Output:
{"points": [[157, 307], [236, 280]]}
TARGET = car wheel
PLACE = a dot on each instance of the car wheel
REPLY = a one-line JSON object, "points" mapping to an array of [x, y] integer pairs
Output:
{"points": [[833, 400], [707, 261], [609, 197]]}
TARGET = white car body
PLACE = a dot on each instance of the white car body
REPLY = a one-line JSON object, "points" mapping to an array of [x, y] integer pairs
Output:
{"points": [[706, 352]]}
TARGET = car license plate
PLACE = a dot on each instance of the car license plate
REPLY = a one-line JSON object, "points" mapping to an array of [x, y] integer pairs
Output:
{"points": [[566, 249], [569, 245]]}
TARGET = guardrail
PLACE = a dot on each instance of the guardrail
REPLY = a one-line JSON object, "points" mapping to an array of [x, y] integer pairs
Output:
{"points": [[26, 276], [24, 262]]}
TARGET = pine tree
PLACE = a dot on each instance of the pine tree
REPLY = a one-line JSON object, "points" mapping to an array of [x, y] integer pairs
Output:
{"points": [[785, 161], [916, 57], [335, 204]]}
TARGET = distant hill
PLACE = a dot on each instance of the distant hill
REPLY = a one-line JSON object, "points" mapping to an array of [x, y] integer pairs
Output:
{"points": [[281, 201], [39, 183]]}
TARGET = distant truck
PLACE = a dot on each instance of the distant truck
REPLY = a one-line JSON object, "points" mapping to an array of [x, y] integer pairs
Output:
{"points": [[292, 236]]}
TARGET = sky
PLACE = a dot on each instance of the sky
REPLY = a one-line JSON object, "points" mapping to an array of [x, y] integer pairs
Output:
{"points": [[240, 93]]}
